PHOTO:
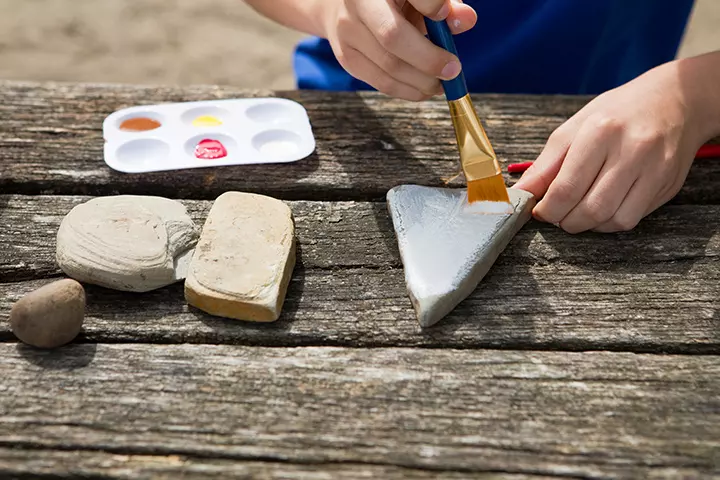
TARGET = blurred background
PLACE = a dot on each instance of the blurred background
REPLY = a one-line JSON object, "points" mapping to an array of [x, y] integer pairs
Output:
{"points": [[181, 42]]}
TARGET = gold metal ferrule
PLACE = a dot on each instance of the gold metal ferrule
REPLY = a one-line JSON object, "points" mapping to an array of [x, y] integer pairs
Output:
{"points": [[477, 156]]}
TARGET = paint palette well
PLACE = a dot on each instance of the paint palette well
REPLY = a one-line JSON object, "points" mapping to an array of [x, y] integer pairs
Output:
{"points": [[207, 134]]}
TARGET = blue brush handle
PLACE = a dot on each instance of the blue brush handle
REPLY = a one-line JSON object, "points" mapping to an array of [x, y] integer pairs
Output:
{"points": [[439, 33]]}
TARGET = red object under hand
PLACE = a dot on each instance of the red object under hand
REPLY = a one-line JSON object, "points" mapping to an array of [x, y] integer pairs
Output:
{"points": [[706, 151], [519, 167]]}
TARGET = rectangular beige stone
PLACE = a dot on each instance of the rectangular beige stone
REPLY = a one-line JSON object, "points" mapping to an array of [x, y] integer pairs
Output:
{"points": [[244, 258]]}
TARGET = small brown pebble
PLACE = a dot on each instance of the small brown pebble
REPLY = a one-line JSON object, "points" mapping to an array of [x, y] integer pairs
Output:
{"points": [[50, 316]]}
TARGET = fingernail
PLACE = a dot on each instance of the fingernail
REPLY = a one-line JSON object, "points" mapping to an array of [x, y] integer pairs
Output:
{"points": [[443, 12], [451, 70]]}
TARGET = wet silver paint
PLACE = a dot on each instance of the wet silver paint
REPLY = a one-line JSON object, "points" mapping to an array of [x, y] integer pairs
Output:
{"points": [[447, 245]]}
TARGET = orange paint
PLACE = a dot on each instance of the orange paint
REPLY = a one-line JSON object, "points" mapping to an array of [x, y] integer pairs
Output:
{"points": [[140, 124]]}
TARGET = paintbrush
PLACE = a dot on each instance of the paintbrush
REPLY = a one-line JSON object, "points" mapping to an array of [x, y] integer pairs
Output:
{"points": [[479, 162]]}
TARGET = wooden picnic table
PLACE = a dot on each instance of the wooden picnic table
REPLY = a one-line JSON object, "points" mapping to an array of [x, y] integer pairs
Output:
{"points": [[593, 356]]}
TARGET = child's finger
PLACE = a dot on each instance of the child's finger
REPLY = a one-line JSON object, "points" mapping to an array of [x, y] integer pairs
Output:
{"points": [[663, 196], [542, 172], [633, 207], [435, 9], [578, 171], [602, 201], [462, 18], [399, 37], [359, 66], [364, 41], [545, 168]]}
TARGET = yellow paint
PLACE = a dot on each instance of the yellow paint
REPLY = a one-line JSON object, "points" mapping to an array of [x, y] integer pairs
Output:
{"points": [[206, 121]]}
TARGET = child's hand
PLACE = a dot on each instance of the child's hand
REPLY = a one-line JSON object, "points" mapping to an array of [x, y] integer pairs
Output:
{"points": [[628, 151], [382, 43]]}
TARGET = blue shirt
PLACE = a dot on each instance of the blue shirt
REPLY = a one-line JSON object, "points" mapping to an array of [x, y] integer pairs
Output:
{"points": [[540, 46]]}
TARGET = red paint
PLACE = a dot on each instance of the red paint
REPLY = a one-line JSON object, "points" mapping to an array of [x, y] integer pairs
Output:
{"points": [[706, 151], [209, 149], [519, 167]]}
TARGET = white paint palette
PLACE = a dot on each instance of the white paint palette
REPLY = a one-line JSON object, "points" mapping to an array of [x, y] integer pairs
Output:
{"points": [[212, 133]]}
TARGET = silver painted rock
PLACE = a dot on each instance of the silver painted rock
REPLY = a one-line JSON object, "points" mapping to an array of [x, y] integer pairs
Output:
{"points": [[244, 259], [127, 242], [50, 316], [447, 245]]}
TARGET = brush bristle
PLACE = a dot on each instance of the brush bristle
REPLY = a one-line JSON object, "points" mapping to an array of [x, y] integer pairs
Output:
{"points": [[490, 189]]}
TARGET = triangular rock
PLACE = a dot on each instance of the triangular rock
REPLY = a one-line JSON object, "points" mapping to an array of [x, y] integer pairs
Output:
{"points": [[447, 245]]}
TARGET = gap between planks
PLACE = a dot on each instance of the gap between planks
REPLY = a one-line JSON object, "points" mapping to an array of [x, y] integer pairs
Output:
{"points": [[105, 462]]}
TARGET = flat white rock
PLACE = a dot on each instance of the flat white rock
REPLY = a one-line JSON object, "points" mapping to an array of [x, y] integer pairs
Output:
{"points": [[127, 242], [448, 245]]}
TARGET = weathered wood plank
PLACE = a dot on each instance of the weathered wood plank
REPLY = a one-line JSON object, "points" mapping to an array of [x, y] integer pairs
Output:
{"points": [[51, 142], [360, 234], [653, 289], [590, 414], [537, 308], [331, 234], [87, 464]]}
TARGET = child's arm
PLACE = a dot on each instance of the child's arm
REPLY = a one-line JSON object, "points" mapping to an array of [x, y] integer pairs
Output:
{"points": [[629, 150], [380, 42], [300, 15]]}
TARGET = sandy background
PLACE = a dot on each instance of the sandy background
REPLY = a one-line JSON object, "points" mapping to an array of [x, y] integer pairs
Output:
{"points": [[180, 41]]}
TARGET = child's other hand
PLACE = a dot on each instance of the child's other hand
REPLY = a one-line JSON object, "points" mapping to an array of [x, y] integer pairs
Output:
{"points": [[626, 153], [382, 43]]}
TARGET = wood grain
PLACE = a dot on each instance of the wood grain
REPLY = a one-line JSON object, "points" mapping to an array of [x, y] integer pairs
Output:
{"points": [[34, 463], [51, 142], [360, 235], [589, 414], [655, 289], [155, 389], [544, 308]]}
